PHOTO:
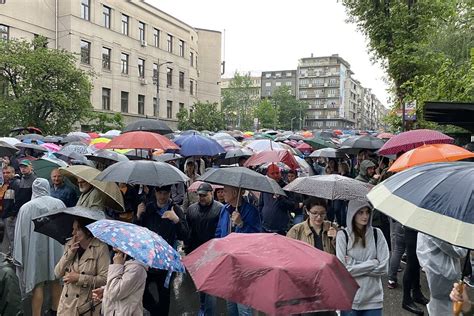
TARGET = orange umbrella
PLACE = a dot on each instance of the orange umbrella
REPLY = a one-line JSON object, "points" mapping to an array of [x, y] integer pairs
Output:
{"points": [[430, 153]]}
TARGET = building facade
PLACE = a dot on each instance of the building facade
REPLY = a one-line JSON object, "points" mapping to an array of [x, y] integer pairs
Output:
{"points": [[146, 62], [273, 80], [254, 88]]}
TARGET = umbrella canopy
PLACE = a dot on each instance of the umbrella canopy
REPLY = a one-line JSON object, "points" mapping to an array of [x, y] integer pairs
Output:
{"points": [[52, 139], [363, 142], [222, 136], [331, 187], [148, 125], [436, 199], [51, 147], [7, 150], [264, 144], [268, 156], [58, 224], [327, 153], [197, 145], [229, 145], [106, 157], [271, 273], [304, 147], [10, 140], [237, 153], [193, 187], [430, 153], [31, 136], [143, 172], [112, 133], [409, 140], [141, 140], [385, 135], [86, 173], [295, 137], [242, 177], [138, 242], [44, 166], [167, 157], [31, 146], [79, 134], [75, 138], [76, 147], [319, 143]]}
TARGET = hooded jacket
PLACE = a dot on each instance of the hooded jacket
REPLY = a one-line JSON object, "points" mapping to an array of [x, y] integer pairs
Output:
{"points": [[36, 254], [367, 265], [364, 165]]}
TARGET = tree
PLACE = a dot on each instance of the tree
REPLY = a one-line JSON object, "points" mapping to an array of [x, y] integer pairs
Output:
{"points": [[102, 122], [267, 114], [203, 116], [289, 108], [44, 88]]}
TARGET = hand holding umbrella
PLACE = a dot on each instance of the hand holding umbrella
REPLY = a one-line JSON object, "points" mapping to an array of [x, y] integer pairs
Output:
{"points": [[236, 219]]}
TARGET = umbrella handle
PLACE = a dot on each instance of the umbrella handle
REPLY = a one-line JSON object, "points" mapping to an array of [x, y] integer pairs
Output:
{"points": [[457, 306]]}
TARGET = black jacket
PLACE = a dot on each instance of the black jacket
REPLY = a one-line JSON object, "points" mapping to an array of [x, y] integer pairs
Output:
{"points": [[275, 211], [202, 222]]}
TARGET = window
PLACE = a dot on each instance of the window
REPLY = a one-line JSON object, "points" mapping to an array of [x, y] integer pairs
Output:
{"points": [[106, 99], [141, 104], [278, 75], [4, 32], [156, 110], [106, 13], [156, 37], [268, 75], [268, 84], [141, 68], [169, 77], [155, 72], [125, 20], [191, 59], [141, 31], [124, 63], [278, 84], [191, 87], [288, 83], [85, 52], [181, 48], [106, 58], [124, 102], [85, 9], [169, 109], [288, 74], [181, 106], [170, 43], [181, 80]]}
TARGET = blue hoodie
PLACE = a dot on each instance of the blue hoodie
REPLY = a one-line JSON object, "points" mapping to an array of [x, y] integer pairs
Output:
{"points": [[250, 217]]}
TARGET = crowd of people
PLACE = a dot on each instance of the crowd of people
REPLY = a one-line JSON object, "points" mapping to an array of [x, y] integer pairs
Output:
{"points": [[86, 275]]}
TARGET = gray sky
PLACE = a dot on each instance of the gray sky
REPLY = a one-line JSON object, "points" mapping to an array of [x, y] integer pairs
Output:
{"points": [[265, 35]]}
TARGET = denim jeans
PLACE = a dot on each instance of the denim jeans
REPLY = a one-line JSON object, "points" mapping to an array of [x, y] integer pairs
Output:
{"points": [[207, 304], [366, 312], [398, 248], [236, 309]]}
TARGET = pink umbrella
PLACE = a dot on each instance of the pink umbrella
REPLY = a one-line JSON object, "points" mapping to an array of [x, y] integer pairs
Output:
{"points": [[51, 147], [385, 135], [406, 141], [193, 187], [267, 156], [304, 147]]}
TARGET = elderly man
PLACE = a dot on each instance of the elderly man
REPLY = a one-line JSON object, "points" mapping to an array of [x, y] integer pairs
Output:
{"points": [[61, 190], [90, 196], [35, 253]]}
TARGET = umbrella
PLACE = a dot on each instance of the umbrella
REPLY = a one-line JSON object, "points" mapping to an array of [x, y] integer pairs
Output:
{"points": [[409, 140], [242, 177], [193, 187], [31, 136], [305, 169], [93, 135], [51, 147], [363, 142], [112, 133], [167, 157], [267, 156], [31, 146], [229, 145], [10, 140], [76, 147], [138, 242], [53, 139], [58, 224], [79, 134], [7, 150], [295, 137], [44, 166], [86, 173], [197, 145], [327, 153], [74, 138], [223, 136], [271, 273], [436, 199], [106, 157], [385, 135], [331, 187], [141, 140], [319, 143], [148, 125], [430, 153], [233, 156], [143, 172], [264, 144]]}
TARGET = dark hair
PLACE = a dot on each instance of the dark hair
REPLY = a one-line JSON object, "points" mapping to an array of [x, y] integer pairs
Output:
{"points": [[293, 172], [82, 223], [359, 234], [315, 201]]}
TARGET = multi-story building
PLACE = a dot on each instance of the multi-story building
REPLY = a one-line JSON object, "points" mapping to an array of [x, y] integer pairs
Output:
{"points": [[253, 88], [273, 80], [147, 63]]}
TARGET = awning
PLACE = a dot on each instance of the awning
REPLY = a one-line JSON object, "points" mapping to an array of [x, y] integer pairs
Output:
{"points": [[454, 113]]}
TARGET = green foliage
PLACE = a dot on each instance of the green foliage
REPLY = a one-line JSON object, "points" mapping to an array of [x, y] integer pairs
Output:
{"points": [[103, 122], [203, 116], [288, 107], [267, 114], [44, 88]]}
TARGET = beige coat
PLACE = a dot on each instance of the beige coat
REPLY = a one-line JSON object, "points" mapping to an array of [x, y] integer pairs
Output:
{"points": [[303, 232], [92, 268], [123, 293]]}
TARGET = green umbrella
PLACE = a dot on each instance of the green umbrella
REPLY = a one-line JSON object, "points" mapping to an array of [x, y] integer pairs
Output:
{"points": [[318, 143], [44, 166]]}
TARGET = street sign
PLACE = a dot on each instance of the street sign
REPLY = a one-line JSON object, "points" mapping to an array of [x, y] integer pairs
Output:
{"points": [[410, 111]]}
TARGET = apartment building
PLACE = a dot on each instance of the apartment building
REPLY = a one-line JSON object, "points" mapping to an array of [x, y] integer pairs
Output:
{"points": [[254, 87], [146, 62], [273, 80]]}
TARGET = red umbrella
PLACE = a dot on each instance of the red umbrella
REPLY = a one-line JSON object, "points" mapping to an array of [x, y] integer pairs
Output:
{"points": [[93, 135], [271, 273], [141, 140], [385, 135], [412, 139], [304, 147], [266, 156]]}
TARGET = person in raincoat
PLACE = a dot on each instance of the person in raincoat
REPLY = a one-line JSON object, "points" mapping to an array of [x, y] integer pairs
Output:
{"points": [[10, 295], [90, 197], [36, 254], [123, 293], [364, 252], [441, 262], [83, 267]]}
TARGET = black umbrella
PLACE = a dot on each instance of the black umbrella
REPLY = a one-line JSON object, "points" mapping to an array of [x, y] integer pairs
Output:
{"points": [[52, 139], [233, 156], [242, 177], [362, 142], [143, 172], [58, 224], [137, 154], [7, 150], [31, 146], [149, 125], [167, 157], [106, 156], [72, 138]]}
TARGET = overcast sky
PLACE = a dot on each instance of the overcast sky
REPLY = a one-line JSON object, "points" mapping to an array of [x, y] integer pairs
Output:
{"points": [[263, 35]]}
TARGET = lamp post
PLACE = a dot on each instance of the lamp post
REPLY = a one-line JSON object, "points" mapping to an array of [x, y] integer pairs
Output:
{"points": [[157, 80], [292, 123]]}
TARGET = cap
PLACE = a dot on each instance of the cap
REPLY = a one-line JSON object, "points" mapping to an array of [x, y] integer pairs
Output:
{"points": [[165, 188], [204, 188], [25, 162]]}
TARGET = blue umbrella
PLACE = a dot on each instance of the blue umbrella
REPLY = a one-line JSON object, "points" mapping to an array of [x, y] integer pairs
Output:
{"points": [[197, 145], [139, 243]]}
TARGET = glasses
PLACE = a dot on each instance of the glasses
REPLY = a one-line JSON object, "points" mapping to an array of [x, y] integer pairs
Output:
{"points": [[317, 214]]}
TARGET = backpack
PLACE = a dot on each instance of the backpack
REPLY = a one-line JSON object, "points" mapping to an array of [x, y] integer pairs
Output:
{"points": [[375, 237]]}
